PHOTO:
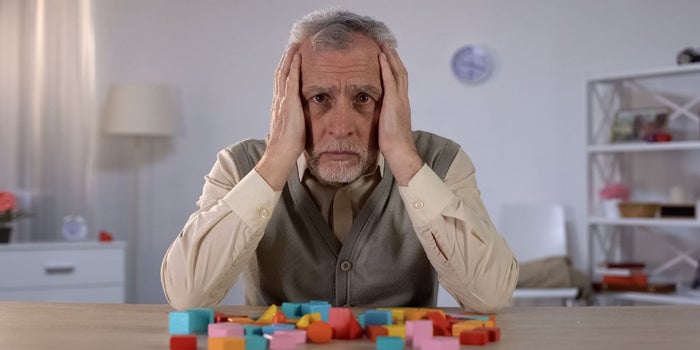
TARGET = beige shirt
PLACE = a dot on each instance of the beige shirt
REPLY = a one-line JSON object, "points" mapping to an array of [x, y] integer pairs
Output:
{"points": [[473, 262]]}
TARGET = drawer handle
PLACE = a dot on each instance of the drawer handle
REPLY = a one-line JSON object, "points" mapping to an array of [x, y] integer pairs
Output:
{"points": [[59, 269]]}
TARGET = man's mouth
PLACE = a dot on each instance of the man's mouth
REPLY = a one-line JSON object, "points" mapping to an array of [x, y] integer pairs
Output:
{"points": [[339, 155]]}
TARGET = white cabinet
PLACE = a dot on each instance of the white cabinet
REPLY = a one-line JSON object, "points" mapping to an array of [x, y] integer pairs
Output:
{"points": [[669, 246], [63, 272]]}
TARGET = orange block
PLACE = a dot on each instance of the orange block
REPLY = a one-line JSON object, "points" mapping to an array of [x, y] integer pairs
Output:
{"points": [[241, 320], [374, 331], [469, 325], [319, 332], [226, 343]]}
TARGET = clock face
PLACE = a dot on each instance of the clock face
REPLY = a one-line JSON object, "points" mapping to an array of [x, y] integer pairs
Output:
{"points": [[74, 228], [472, 64]]}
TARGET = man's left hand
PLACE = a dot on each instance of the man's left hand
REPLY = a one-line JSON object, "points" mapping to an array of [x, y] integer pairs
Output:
{"points": [[395, 134]]}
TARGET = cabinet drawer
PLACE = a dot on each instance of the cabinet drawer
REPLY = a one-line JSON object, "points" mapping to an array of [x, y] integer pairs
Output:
{"points": [[41, 268], [82, 295]]}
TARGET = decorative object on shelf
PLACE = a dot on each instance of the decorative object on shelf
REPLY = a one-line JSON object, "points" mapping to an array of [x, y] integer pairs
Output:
{"points": [[688, 55], [8, 213], [74, 228], [638, 210], [612, 195], [641, 124], [472, 64]]}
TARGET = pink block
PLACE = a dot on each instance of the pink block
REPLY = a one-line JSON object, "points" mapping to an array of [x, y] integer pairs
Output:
{"points": [[225, 329], [339, 319], [283, 342], [440, 343], [418, 329], [298, 334]]}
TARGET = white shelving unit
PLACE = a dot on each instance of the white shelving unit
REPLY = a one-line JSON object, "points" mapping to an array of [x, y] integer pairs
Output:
{"points": [[648, 168]]}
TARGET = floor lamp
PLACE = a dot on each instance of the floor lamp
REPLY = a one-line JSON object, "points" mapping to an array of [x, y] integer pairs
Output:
{"points": [[138, 111]]}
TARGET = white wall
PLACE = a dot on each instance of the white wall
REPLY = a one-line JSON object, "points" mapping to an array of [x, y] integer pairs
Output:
{"points": [[524, 128]]}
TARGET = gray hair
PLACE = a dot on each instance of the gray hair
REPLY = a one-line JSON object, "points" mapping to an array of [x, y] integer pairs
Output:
{"points": [[333, 28]]}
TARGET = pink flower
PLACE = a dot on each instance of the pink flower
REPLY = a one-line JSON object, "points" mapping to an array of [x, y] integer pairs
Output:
{"points": [[8, 202], [615, 191]]}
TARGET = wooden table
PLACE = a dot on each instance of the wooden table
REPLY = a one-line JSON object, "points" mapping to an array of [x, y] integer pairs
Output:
{"points": [[35, 326]]}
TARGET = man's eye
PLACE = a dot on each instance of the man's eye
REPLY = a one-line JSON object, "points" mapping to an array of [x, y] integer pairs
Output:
{"points": [[319, 98], [363, 98]]}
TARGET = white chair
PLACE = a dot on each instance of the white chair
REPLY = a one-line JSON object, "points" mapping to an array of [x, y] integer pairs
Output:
{"points": [[535, 231]]}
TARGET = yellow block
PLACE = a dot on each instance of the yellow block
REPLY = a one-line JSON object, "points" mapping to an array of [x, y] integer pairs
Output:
{"points": [[241, 320], [226, 343], [268, 314], [469, 325], [396, 331], [420, 313], [398, 314], [308, 319]]}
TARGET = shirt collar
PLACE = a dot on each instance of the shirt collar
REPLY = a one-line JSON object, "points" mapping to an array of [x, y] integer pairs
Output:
{"points": [[303, 164]]}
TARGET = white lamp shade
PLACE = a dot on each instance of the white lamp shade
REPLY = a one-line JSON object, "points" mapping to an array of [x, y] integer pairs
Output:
{"points": [[139, 110]]}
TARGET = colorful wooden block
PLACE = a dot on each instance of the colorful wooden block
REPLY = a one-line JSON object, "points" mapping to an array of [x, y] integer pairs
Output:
{"points": [[299, 335], [339, 319], [282, 342], [183, 342], [292, 310], [320, 332], [322, 309], [270, 329], [190, 321], [266, 317], [474, 337], [226, 343], [494, 333], [354, 330], [440, 343], [279, 317], [378, 317], [389, 343], [469, 325], [306, 307], [417, 330], [398, 315], [374, 331], [252, 329], [219, 330], [396, 330], [255, 342]]}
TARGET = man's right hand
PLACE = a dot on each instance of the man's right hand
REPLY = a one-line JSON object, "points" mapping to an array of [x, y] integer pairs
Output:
{"points": [[287, 136]]}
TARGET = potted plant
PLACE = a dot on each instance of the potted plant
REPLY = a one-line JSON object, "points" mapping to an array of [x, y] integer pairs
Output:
{"points": [[8, 212]]}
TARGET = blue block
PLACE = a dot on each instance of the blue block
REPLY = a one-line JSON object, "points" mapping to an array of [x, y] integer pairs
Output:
{"points": [[190, 321], [255, 342], [180, 322], [361, 320], [291, 310], [389, 343], [251, 329], [306, 307], [378, 317], [270, 329], [322, 308]]}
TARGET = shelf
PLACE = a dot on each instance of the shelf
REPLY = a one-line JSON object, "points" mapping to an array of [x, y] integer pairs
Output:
{"points": [[645, 147], [681, 298], [645, 222], [648, 73]]}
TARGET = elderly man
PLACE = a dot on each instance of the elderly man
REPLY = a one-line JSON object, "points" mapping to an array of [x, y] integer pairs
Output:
{"points": [[343, 202]]}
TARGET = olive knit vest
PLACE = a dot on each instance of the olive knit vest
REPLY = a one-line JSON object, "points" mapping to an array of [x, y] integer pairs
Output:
{"points": [[380, 263]]}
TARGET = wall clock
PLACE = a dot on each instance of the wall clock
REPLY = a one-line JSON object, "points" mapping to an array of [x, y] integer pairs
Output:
{"points": [[472, 64]]}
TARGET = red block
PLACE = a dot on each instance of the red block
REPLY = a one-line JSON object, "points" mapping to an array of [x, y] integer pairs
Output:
{"points": [[183, 342], [356, 332], [439, 320], [374, 331], [494, 333], [474, 337]]}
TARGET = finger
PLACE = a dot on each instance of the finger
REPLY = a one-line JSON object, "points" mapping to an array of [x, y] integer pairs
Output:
{"points": [[397, 66], [387, 75], [283, 68], [292, 81]]}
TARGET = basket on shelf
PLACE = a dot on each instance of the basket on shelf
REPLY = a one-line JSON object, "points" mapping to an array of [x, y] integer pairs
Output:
{"points": [[638, 210]]}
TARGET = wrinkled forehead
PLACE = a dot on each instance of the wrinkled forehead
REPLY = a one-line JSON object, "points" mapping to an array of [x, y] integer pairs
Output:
{"points": [[360, 57]]}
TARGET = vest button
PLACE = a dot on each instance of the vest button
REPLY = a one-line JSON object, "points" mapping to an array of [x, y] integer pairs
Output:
{"points": [[346, 265]]}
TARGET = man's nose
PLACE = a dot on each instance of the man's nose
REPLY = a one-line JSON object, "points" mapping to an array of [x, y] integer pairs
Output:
{"points": [[342, 119]]}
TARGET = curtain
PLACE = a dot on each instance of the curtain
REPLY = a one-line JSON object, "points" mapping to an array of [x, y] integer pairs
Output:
{"points": [[48, 117]]}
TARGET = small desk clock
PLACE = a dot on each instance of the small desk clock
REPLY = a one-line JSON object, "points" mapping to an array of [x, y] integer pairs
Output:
{"points": [[74, 228], [472, 64]]}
